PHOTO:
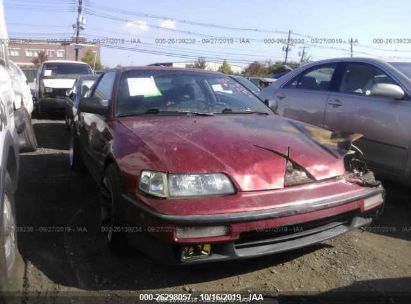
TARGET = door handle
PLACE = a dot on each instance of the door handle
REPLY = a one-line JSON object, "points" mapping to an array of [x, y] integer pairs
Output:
{"points": [[280, 96], [335, 103]]}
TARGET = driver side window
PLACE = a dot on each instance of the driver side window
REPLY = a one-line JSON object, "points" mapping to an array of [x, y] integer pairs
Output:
{"points": [[360, 78], [318, 79]]}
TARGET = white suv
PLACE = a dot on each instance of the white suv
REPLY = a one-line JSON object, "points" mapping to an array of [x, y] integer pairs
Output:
{"points": [[10, 123]]}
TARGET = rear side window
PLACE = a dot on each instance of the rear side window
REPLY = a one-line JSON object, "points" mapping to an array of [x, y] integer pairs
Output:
{"points": [[104, 88], [359, 78], [318, 79]]}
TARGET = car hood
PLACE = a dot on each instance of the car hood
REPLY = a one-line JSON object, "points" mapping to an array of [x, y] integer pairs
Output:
{"points": [[59, 82], [251, 149]]}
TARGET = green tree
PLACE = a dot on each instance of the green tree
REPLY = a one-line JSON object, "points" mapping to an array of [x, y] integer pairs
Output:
{"points": [[256, 69], [90, 57], [225, 68], [200, 63], [41, 57]]}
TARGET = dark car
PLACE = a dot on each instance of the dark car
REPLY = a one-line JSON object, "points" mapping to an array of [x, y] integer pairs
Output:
{"points": [[81, 86], [194, 168]]}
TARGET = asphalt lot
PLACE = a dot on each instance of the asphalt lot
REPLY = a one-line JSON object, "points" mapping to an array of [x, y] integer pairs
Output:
{"points": [[77, 262]]}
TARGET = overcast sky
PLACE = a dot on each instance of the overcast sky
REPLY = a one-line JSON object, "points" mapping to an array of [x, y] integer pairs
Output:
{"points": [[142, 24]]}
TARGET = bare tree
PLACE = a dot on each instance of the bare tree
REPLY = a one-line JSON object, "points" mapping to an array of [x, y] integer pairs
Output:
{"points": [[41, 57], [200, 63]]}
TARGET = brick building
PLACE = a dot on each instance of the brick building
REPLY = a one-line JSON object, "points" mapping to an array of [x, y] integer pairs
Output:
{"points": [[23, 51]]}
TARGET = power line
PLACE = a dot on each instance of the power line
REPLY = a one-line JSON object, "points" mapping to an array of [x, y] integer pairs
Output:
{"points": [[184, 21]]}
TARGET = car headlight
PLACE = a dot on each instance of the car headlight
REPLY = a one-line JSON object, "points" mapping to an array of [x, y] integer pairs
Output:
{"points": [[185, 185], [294, 175]]}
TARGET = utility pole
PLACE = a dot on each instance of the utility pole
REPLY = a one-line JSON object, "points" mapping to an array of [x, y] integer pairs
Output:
{"points": [[351, 48], [302, 54], [287, 48], [79, 25]]}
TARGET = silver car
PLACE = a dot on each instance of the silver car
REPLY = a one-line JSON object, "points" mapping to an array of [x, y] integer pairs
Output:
{"points": [[354, 95]]}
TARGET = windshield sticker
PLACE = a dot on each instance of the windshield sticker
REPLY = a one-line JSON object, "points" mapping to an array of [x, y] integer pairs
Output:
{"points": [[47, 72], [219, 88], [143, 86]]}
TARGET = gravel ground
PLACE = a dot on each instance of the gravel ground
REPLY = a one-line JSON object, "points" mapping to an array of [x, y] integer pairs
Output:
{"points": [[374, 262]]}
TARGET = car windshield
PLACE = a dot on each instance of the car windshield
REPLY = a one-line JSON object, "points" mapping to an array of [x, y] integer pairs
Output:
{"points": [[404, 67], [174, 92], [52, 69]]}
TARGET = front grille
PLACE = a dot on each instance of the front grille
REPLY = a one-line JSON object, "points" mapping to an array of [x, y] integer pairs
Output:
{"points": [[290, 232], [56, 93]]}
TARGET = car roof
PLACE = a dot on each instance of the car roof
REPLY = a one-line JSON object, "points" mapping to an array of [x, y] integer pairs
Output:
{"points": [[349, 59], [65, 61], [162, 68]]}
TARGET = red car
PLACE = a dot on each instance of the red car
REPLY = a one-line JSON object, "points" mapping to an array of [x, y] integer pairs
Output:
{"points": [[195, 168]]}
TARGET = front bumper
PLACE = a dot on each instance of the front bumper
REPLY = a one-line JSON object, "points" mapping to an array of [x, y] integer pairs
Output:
{"points": [[254, 233]]}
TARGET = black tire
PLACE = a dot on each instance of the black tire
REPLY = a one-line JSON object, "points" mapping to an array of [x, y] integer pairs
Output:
{"points": [[112, 211], [27, 139], [67, 121], [8, 237], [75, 159]]}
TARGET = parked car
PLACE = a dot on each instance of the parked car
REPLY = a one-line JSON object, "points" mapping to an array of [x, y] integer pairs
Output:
{"points": [[362, 95], [246, 82], [10, 125], [201, 170], [262, 82], [23, 101], [79, 89], [54, 78]]}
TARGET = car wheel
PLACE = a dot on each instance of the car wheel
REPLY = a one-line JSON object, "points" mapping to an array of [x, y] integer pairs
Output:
{"points": [[76, 162], [8, 239], [112, 212], [27, 139]]}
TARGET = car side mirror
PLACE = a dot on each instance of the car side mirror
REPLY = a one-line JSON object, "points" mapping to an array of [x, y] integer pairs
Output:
{"points": [[387, 90], [93, 105], [70, 94], [272, 104]]}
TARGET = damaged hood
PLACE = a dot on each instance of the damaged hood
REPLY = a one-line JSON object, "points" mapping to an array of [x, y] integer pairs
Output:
{"points": [[251, 149]]}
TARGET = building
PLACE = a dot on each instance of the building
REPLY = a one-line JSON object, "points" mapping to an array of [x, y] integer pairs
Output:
{"points": [[23, 51], [211, 66]]}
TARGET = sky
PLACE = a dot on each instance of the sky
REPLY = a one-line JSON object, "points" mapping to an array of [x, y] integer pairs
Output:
{"points": [[141, 32]]}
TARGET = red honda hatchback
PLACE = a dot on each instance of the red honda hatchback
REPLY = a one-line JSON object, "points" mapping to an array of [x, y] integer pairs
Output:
{"points": [[195, 168]]}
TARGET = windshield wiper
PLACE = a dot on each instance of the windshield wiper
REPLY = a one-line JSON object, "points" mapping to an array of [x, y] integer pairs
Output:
{"points": [[156, 111], [230, 111]]}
